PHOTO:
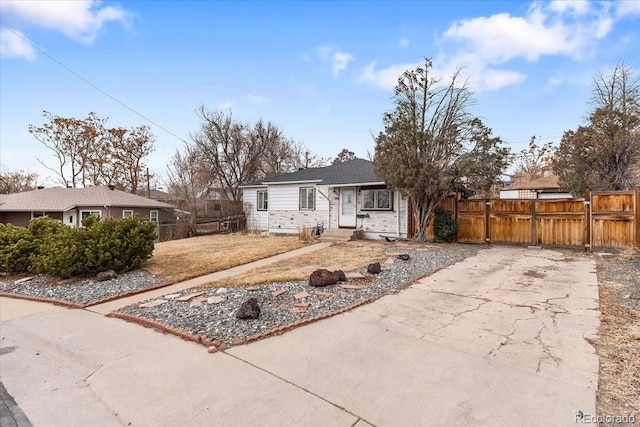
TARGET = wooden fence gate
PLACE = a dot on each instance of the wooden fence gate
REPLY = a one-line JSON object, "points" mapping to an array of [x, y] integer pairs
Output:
{"points": [[601, 219]]}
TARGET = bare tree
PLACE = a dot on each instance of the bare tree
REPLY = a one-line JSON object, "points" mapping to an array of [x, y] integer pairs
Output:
{"points": [[17, 181], [532, 161], [188, 179]]}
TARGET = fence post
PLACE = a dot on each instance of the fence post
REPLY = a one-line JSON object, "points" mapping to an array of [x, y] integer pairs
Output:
{"points": [[487, 221], [455, 212], [587, 220], [636, 215], [534, 236]]}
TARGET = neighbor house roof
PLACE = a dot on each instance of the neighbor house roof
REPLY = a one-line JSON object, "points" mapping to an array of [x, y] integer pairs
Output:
{"points": [[357, 171], [543, 183], [63, 199]]}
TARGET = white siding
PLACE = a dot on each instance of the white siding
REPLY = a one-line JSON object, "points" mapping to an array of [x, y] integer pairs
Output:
{"points": [[285, 215], [256, 220], [508, 194]]}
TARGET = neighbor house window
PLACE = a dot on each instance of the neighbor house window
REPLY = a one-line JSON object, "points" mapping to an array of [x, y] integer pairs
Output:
{"points": [[307, 198], [84, 214], [379, 199], [263, 200], [127, 214], [153, 216]]}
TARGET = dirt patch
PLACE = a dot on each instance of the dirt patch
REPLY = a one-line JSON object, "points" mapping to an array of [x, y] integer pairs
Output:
{"points": [[619, 336]]}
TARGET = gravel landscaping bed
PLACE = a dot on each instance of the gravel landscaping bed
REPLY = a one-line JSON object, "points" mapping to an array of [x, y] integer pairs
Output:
{"points": [[80, 292], [211, 312]]}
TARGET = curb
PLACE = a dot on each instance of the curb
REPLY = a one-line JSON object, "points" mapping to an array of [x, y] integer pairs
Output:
{"points": [[156, 325], [42, 299]]}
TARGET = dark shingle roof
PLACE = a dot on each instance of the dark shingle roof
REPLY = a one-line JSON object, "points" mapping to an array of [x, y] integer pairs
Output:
{"points": [[357, 171]]}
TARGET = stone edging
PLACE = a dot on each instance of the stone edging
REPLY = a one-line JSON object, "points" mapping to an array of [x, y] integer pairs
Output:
{"points": [[157, 325], [127, 294], [42, 299]]}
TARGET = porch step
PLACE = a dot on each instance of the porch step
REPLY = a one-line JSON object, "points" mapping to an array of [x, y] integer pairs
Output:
{"points": [[337, 235]]}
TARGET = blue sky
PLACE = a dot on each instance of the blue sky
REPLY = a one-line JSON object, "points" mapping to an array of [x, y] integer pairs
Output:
{"points": [[323, 71]]}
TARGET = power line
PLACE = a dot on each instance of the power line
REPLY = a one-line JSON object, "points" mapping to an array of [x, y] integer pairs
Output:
{"points": [[45, 53]]}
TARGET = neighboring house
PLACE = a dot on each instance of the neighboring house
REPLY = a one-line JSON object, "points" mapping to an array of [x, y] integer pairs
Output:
{"points": [[545, 187], [343, 195], [71, 205]]}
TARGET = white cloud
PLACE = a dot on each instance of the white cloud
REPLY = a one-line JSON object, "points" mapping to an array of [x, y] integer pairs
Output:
{"points": [[494, 79], [626, 8], [577, 7], [13, 44], [257, 99], [404, 42], [80, 20], [338, 60], [385, 78]]}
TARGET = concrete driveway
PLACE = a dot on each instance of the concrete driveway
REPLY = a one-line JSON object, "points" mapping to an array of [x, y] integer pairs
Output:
{"points": [[498, 339]]}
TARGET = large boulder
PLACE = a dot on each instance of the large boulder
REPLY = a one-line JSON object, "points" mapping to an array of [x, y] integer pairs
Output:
{"points": [[374, 268], [106, 275], [249, 309], [340, 275], [322, 277]]}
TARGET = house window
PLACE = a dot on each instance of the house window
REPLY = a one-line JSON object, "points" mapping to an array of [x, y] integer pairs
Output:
{"points": [[127, 214], [153, 216], [377, 200], [84, 214], [263, 200], [307, 198], [70, 219], [37, 214]]}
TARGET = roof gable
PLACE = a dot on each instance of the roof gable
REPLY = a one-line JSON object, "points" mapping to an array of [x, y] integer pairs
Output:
{"points": [[62, 199], [356, 171]]}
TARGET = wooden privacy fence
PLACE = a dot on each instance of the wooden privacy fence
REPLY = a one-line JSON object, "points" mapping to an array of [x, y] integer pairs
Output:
{"points": [[600, 219]]}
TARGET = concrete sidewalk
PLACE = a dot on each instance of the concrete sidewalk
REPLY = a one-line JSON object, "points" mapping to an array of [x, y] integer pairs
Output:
{"points": [[110, 306], [498, 339]]}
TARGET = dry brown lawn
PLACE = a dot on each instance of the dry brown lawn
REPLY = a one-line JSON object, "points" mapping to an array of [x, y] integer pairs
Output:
{"points": [[344, 257], [179, 260]]}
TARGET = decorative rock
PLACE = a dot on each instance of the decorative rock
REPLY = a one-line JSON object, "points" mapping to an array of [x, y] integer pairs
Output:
{"points": [[302, 304], [189, 296], [297, 311], [374, 268], [24, 279], [322, 294], [404, 257], [106, 275], [389, 261], [237, 341], [214, 300], [252, 288], [195, 303], [355, 276], [354, 287], [249, 309], [301, 295], [221, 290], [153, 303], [340, 276], [171, 296], [212, 349], [322, 277], [278, 292]]}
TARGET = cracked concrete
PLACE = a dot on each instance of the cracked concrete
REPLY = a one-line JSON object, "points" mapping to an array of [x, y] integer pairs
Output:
{"points": [[497, 339]]}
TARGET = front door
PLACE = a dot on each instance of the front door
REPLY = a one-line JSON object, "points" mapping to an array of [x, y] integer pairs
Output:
{"points": [[347, 207]]}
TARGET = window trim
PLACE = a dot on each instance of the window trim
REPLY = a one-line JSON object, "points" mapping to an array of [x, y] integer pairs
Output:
{"points": [[375, 200], [91, 212], [124, 213], [262, 205], [157, 219], [301, 205]]}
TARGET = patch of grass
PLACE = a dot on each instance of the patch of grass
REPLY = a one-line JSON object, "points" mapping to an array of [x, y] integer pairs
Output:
{"points": [[619, 337], [179, 260], [336, 257]]}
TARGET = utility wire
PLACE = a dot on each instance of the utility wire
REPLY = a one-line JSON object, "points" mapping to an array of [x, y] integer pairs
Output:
{"points": [[45, 53]]}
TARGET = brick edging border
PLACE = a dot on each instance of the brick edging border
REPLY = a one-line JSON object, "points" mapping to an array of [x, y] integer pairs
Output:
{"points": [[128, 294], [215, 346], [157, 325], [42, 299]]}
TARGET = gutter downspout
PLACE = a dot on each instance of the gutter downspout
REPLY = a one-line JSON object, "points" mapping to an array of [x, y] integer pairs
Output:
{"points": [[328, 210], [398, 215]]}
